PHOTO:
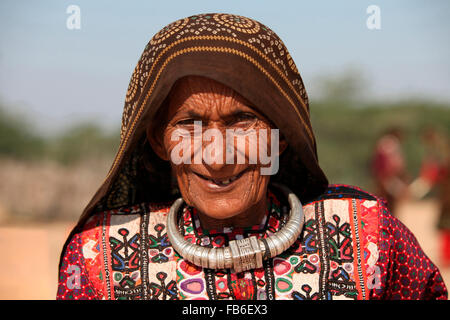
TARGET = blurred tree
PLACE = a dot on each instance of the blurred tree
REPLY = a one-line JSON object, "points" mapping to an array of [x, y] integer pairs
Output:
{"points": [[82, 141], [17, 138], [346, 87]]}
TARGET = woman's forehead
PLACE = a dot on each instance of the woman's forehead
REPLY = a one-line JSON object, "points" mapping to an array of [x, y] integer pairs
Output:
{"points": [[204, 96]]}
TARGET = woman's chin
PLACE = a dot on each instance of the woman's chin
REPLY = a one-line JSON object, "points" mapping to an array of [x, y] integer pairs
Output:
{"points": [[222, 213], [219, 210]]}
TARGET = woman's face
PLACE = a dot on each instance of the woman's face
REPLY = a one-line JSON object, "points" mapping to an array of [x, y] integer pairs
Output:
{"points": [[220, 189]]}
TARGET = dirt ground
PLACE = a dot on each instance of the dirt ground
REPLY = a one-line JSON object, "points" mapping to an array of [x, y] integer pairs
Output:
{"points": [[30, 253], [30, 260]]}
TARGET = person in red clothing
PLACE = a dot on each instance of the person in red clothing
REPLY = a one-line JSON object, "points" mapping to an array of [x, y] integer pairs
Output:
{"points": [[389, 168], [444, 218], [434, 168], [179, 217], [434, 180]]}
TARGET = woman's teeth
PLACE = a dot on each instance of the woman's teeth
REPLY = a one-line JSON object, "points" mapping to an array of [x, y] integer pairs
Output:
{"points": [[223, 182], [217, 183]]}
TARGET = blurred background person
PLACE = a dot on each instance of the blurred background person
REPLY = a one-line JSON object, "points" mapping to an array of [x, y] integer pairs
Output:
{"points": [[434, 166], [444, 219], [434, 182], [389, 169]]}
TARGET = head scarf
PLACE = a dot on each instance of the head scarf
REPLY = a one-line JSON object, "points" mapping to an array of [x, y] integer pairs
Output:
{"points": [[236, 51]]}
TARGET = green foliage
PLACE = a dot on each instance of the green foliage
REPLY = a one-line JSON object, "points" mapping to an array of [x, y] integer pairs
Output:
{"points": [[17, 139], [345, 87], [82, 141]]}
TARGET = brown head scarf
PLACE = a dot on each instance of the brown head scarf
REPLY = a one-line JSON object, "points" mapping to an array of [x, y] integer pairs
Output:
{"points": [[237, 51]]}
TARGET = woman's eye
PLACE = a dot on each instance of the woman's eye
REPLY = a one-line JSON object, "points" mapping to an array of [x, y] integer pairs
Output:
{"points": [[244, 119], [248, 116], [185, 122]]}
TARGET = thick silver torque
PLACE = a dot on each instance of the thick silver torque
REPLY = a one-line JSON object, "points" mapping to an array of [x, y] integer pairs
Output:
{"points": [[205, 257], [212, 262], [285, 239], [257, 251], [236, 257], [272, 247], [190, 252], [244, 254], [198, 255], [228, 257], [220, 259]]}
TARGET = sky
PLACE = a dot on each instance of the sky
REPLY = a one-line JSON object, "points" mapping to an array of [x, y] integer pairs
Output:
{"points": [[57, 77]]}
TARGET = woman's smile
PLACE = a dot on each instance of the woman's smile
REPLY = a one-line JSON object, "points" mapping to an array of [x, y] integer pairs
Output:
{"points": [[219, 184]]}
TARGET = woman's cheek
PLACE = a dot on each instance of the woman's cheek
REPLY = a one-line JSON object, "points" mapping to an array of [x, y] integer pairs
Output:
{"points": [[176, 145]]}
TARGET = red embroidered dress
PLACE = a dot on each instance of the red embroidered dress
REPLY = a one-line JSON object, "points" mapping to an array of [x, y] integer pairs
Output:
{"points": [[350, 248]]}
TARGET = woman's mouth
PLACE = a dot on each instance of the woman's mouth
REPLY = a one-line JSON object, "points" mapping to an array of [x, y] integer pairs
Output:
{"points": [[220, 182]]}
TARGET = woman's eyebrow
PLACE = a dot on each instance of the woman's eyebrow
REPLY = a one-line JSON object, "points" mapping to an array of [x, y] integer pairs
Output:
{"points": [[251, 110], [194, 114]]}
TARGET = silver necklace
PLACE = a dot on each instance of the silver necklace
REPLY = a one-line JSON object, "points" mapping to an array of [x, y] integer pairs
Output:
{"points": [[243, 254]]}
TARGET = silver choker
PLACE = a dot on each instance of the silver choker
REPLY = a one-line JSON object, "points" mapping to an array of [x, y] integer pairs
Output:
{"points": [[243, 254]]}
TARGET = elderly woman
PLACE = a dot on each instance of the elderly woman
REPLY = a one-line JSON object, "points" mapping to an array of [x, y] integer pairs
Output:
{"points": [[216, 191]]}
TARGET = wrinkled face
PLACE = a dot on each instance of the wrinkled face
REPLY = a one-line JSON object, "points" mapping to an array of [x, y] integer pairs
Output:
{"points": [[219, 188]]}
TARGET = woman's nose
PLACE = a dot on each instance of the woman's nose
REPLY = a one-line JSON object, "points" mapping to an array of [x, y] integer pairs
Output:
{"points": [[214, 149]]}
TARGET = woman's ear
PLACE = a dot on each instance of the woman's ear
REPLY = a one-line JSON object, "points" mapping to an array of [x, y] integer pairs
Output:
{"points": [[155, 136]]}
